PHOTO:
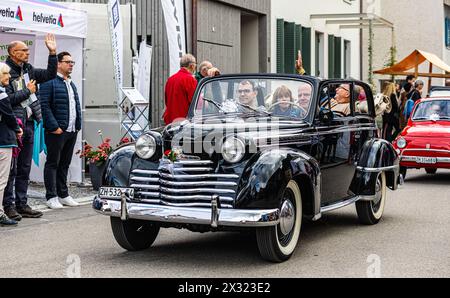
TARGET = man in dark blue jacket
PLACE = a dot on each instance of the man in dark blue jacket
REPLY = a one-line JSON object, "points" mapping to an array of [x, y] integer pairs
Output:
{"points": [[24, 97], [61, 113]]}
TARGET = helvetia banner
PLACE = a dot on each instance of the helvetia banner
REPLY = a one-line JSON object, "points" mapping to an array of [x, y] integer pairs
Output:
{"points": [[116, 30], [44, 17], [176, 31]]}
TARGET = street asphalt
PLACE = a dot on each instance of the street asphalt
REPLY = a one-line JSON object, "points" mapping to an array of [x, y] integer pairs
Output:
{"points": [[412, 240]]}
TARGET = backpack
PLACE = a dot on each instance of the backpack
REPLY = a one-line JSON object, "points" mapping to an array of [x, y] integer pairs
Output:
{"points": [[409, 106]]}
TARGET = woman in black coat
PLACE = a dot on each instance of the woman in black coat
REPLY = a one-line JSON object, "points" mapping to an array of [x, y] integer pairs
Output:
{"points": [[9, 132]]}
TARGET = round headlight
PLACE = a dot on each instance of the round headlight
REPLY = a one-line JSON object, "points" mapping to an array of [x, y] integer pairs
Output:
{"points": [[233, 150], [401, 143], [146, 146]]}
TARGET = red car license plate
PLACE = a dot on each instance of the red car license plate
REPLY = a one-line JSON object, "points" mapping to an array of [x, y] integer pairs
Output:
{"points": [[426, 160]]}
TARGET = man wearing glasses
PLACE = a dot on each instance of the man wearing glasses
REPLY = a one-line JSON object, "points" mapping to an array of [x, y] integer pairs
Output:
{"points": [[341, 102], [248, 94], [61, 112], [24, 97]]}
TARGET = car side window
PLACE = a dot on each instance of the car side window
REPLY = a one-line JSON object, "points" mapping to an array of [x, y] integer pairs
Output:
{"points": [[337, 98], [360, 101]]}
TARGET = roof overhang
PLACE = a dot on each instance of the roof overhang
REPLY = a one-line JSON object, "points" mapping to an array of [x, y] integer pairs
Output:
{"points": [[354, 20]]}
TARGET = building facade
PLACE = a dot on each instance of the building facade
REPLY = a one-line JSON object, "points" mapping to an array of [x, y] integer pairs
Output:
{"points": [[328, 50], [420, 25]]}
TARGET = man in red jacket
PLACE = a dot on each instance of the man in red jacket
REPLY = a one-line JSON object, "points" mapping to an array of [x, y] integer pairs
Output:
{"points": [[180, 89]]}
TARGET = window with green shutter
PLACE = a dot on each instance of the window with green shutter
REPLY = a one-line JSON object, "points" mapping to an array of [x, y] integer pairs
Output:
{"points": [[291, 38], [306, 49], [331, 56], [280, 46], [289, 47], [447, 32], [337, 57]]}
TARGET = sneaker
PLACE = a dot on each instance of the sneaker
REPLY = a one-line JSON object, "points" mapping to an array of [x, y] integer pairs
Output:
{"points": [[6, 222], [69, 201], [27, 212], [12, 213], [54, 204]]}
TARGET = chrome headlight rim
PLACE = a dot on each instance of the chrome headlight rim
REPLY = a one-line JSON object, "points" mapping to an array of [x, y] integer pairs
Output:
{"points": [[401, 143], [239, 148], [146, 146]]}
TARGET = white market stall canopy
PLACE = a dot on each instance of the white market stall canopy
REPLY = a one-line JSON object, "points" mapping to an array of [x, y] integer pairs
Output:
{"points": [[43, 16]]}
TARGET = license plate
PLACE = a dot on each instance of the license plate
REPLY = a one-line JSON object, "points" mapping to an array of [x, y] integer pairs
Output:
{"points": [[426, 160], [115, 192]]}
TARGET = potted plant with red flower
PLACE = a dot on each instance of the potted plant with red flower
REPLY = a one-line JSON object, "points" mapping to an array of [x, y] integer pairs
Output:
{"points": [[97, 157]]}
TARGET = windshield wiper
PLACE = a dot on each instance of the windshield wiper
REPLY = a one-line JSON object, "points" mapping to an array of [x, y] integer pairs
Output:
{"points": [[253, 109], [217, 105]]}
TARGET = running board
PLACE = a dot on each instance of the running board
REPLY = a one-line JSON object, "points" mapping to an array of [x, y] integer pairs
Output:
{"points": [[340, 204]]}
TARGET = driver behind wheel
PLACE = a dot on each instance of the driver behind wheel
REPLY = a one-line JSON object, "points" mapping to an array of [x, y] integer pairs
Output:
{"points": [[284, 103]]}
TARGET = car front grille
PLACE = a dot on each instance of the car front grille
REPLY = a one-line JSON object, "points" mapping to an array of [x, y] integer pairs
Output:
{"points": [[190, 183]]}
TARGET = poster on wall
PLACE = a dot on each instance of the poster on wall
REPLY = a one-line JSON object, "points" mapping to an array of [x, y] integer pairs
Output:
{"points": [[7, 38], [116, 31], [144, 70], [176, 31]]}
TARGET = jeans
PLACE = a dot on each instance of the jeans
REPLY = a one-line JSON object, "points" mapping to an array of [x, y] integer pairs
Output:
{"points": [[59, 156], [5, 168], [20, 172]]}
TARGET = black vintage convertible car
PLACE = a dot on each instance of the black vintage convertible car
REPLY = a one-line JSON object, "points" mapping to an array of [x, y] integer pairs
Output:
{"points": [[256, 153]]}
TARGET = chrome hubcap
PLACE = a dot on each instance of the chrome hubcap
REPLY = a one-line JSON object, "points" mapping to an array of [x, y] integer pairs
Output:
{"points": [[287, 217]]}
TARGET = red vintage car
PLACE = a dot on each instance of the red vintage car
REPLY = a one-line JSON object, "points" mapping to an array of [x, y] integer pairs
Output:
{"points": [[425, 142]]}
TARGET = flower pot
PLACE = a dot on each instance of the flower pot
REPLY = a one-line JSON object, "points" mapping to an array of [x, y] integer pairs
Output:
{"points": [[96, 175]]}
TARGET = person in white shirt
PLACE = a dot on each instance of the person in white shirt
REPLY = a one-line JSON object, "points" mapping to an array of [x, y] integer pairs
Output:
{"points": [[62, 121]]}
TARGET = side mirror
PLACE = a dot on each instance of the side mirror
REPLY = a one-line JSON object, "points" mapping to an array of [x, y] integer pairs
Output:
{"points": [[326, 116]]}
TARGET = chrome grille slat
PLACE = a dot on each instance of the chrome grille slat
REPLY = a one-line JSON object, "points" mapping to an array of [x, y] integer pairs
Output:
{"points": [[149, 194], [187, 183], [194, 162], [204, 176], [145, 172], [199, 183], [197, 190], [195, 197], [145, 186], [144, 179], [187, 169], [171, 197]]}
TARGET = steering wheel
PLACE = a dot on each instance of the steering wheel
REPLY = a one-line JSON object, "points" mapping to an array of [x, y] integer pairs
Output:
{"points": [[302, 110]]}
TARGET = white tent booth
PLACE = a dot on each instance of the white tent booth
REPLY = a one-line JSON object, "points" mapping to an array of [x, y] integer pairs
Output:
{"points": [[30, 21]]}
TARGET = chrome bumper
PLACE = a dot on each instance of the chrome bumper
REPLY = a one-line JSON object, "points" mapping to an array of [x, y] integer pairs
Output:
{"points": [[214, 217], [414, 158]]}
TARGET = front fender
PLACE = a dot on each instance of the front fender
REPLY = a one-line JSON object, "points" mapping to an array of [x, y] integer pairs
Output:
{"points": [[264, 180], [118, 167], [377, 156]]}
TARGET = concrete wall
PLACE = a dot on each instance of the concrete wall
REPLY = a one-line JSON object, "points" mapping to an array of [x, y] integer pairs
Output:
{"points": [[418, 25], [299, 12]]}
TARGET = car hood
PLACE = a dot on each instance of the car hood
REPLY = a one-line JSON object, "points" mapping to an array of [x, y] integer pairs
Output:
{"points": [[430, 129], [239, 125]]}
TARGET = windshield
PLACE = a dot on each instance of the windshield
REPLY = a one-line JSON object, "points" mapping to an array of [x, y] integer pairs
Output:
{"points": [[439, 93], [433, 110], [265, 96]]}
